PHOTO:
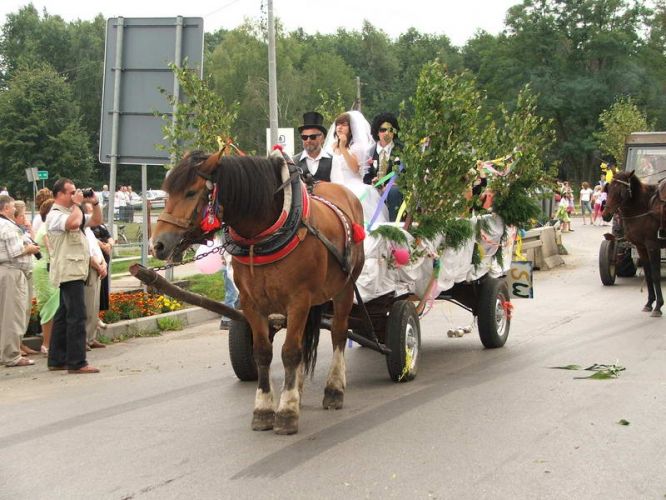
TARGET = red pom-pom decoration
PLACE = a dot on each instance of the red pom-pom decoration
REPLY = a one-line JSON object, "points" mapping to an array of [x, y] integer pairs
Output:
{"points": [[358, 233], [278, 147]]}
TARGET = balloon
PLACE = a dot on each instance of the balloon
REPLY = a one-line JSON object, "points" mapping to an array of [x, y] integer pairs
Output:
{"points": [[401, 256], [211, 263]]}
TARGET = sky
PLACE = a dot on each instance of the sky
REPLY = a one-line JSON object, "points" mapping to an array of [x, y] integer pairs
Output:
{"points": [[457, 19]]}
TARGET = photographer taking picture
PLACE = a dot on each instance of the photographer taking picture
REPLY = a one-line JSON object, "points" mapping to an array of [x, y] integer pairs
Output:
{"points": [[70, 265]]}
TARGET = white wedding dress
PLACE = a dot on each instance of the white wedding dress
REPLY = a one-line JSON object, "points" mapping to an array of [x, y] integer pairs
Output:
{"points": [[369, 196]]}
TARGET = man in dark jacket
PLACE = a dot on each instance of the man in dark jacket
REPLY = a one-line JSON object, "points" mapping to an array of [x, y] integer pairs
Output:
{"points": [[384, 156], [313, 159]]}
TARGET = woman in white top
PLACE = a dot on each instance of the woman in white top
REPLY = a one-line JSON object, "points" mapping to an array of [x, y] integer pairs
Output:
{"points": [[349, 142], [585, 201]]}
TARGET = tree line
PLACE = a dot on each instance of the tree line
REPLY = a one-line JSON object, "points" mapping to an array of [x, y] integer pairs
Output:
{"points": [[578, 57]]}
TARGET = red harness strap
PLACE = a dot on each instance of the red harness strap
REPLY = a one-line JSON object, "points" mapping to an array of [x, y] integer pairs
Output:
{"points": [[261, 260]]}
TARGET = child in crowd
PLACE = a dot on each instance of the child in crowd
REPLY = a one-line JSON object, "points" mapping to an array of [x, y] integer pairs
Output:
{"points": [[597, 202], [563, 214]]}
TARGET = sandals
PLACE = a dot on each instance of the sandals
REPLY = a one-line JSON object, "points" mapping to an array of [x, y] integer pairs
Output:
{"points": [[22, 362]]}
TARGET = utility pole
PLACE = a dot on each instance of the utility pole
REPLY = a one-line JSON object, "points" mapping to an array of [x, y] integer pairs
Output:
{"points": [[357, 101], [272, 77]]}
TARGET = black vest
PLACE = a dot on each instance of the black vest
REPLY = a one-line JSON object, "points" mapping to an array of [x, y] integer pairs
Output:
{"points": [[323, 170]]}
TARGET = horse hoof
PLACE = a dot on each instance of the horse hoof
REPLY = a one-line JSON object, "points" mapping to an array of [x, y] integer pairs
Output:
{"points": [[263, 420], [286, 423], [333, 399], [647, 309], [656, 313]]}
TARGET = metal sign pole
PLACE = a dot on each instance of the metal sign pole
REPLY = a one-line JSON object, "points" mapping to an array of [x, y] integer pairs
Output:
{"points": [[178, 56], [114, 127], [146, 216]]}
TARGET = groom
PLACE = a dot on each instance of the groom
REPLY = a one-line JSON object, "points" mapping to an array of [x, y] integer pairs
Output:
{"points": [[313, 159]]}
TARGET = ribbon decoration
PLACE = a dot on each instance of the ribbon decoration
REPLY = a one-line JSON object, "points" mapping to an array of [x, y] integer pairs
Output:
{"points": [[392, 176], [518, 250]]}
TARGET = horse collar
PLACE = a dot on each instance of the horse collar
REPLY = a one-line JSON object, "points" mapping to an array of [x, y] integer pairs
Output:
{"points": [[280, 239]]}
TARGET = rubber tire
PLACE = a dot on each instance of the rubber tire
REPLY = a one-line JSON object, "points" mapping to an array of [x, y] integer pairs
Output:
{"points": [[492, 290], [626, 267], [240, 351], [402, 316], [607, 268]]}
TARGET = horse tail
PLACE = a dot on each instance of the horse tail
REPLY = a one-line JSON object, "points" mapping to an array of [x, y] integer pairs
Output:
{"points": [[311, 338]]}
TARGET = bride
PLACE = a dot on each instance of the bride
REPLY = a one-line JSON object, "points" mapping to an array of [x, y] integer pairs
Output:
{"points": [[350, 144]]}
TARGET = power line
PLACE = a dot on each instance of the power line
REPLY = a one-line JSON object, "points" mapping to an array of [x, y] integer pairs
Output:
{"points": [[221, 8]]}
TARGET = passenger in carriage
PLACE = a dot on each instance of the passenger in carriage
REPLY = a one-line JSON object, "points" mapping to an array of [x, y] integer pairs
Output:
{"points": [[313, 158], [349, 142], [383, 158]]}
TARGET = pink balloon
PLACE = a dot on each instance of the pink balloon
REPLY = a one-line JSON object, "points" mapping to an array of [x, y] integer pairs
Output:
{"points": [[401, 256], [211, 263]]}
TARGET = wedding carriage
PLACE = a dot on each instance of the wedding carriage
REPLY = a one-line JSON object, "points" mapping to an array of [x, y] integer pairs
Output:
{"points": [[397, 287]]}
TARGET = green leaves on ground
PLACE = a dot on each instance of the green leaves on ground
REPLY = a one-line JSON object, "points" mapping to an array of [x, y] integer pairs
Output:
{"points": [[601, 372]]}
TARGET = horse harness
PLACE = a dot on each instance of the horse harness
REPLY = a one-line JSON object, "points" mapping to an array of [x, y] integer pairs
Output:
{"points": [[281, 238]]}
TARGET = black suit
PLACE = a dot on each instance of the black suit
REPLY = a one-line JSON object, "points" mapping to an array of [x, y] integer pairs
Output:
{"points": [[323, 170], [394, 198]]}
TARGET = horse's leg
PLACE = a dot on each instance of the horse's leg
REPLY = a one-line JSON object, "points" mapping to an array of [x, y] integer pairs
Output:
{"points": [[286, 418], [334, 393], [264, 411], [647, 270], [655, 268]]}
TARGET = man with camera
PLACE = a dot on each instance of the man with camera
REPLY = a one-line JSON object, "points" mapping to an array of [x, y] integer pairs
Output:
{"points": [[70, 265], [16, 251]]}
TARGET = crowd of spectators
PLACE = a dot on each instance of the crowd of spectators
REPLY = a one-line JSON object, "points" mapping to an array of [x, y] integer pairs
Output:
{"points": [[61, 259]]}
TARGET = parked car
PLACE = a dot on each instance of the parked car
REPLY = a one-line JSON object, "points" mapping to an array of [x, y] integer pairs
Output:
{"points": [[156, 197]]}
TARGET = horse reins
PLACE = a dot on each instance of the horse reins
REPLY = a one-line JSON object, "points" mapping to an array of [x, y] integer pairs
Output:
{"points": [[625, 217]]}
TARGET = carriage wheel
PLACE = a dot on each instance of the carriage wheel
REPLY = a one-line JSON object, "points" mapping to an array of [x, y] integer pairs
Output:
{"points": [[240, 351], [625, 267], [494, 312], [607, 262], [403, 337]]}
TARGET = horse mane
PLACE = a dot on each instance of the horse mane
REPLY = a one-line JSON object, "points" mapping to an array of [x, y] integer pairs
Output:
{"points": [[185, 173], [248, 184]]}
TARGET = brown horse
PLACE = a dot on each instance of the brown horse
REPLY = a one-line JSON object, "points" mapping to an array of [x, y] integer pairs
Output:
{"points": [[250, 194], [640, 210]]}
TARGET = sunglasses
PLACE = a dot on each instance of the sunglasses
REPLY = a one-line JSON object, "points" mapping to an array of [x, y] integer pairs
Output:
{"points": [[387, 129], [312, 137]]}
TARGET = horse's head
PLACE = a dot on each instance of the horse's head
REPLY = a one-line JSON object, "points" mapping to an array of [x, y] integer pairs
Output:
{"points": [[620, 192], [179, 224]]}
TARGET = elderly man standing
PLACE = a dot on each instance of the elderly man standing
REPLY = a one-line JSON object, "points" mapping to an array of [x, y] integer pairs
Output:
{"points": [[15, 266], [313, 159], [70, 264]]}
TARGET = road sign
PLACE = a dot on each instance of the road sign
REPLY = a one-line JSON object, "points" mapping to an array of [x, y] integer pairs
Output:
{"points": [[147, 47], [31, 174], [285, 139], [42, 175]]}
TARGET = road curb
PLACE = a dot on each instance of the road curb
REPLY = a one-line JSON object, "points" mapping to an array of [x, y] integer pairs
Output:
{"points": [[188, 317]]}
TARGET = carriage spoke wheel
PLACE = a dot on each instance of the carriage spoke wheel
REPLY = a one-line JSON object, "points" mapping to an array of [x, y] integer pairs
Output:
{"points": [[403, 337], [240, 351], [494, 313]]}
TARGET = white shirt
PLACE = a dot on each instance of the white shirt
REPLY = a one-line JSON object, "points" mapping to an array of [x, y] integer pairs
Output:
{"points": [[93, 244], [119, 199], [585, 194], [388, 148], [313, 163]]}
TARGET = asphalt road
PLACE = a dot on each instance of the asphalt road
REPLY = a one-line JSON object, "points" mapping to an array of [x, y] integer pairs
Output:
{"points": [[167, 418]]}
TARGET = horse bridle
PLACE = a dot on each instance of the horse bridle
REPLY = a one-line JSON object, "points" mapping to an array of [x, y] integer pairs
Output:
{"points": [[193, 233], [625, 217]]}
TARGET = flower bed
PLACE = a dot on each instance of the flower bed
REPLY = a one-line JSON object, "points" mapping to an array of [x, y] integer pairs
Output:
{"points": [[132, 305]]}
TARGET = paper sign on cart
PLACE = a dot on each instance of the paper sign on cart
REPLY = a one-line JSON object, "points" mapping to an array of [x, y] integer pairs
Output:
{"points": [[519, 279]]}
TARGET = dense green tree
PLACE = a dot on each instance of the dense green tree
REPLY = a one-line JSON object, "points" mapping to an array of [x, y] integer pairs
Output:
{"points": [[618, 121], [41, 127]]}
